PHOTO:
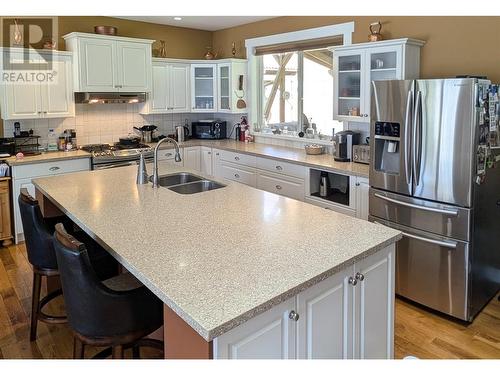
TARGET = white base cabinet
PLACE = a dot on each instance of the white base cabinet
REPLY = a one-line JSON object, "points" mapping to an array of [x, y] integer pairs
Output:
{"points": [[23, 174], [348, 315]]}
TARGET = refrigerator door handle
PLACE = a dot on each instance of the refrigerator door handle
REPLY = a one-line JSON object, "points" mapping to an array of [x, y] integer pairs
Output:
{"points": [[424, 208], [408, 119], [449, 245], [417, 139]]}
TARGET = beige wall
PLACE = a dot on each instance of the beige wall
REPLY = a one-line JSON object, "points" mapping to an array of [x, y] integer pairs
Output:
{"points": [[454, 45], [181, 42]]}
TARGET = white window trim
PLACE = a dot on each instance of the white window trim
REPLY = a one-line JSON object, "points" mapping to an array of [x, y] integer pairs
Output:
{"points": [[254, 63]]}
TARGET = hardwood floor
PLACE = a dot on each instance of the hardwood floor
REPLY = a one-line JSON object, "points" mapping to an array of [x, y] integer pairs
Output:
{"points": [[54, 340], [418, 332]]}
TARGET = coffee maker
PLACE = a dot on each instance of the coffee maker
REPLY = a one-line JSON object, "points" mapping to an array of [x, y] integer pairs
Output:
{"points": [[342, 145]]}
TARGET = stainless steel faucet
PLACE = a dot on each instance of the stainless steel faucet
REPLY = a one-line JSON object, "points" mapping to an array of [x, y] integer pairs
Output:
{"points": [[155, 162]]}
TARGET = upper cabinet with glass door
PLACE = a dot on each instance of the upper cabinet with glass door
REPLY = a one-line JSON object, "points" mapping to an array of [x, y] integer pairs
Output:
{"points": [[356, 65], [204, 87], [232, 86]]}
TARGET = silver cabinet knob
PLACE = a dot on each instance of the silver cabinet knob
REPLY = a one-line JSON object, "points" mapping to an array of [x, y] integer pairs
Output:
{"points": [[217, 153], [279, 168], [366, 115], [359, 276], [209, 153], [236, 175], [352, 281], [278, 187], [236, 158], [293, 316], [357, 183]]}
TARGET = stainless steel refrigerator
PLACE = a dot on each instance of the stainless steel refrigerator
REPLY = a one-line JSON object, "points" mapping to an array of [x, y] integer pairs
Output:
{"points": [[434, 177]]}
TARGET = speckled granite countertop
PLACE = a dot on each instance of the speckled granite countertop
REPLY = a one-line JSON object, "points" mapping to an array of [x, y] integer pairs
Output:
{"points": [[293, 155], [47, 157], [216, 258]]}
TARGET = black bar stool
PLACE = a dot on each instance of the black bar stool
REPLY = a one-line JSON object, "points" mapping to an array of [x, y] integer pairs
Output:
{"points": [[40, 248], [117, 312]]}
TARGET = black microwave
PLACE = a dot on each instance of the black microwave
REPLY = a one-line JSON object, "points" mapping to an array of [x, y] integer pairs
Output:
{"points": [[209, 129]]}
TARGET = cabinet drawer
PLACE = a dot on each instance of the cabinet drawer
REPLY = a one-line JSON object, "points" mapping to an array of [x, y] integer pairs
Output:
{"points": [[234, 173], [330, 206], [169, 154], [292, 188], [237, 158], [281, 167], [51, 168]]}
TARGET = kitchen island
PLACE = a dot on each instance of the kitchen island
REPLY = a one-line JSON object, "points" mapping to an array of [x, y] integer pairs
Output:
{"points": [[243, 273]]}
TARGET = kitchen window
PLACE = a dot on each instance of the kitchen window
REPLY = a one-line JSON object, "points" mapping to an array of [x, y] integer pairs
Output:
{"points": [[292, 82]]}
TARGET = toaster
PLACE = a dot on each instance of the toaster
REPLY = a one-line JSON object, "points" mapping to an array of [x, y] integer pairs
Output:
{"points": [[361, 154]]}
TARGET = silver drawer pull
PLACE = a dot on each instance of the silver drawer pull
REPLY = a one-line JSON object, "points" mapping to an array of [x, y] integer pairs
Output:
{"points": [[293, 316], [359, 276], [436, 210], [168, 154], [449, 245], [352, 281], [54, 169], [236, 158], [279, 167], [278, 187], [236, 175]]}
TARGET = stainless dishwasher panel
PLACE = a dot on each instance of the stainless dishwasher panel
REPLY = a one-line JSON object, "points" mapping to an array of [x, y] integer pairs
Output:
{"points": [[437, 218], [432, 270]]}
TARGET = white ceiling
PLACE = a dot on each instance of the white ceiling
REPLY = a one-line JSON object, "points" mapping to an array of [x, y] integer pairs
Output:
{"points": [[210, 23]]}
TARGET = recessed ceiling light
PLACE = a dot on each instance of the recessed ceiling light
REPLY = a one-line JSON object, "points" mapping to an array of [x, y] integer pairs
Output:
{"points": [[177, 18]]}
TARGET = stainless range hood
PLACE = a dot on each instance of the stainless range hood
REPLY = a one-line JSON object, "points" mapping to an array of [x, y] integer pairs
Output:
{"points": [[109, 97]]}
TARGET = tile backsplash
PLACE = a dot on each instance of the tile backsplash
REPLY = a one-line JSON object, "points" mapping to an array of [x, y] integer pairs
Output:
{"points": [[106, 123]]}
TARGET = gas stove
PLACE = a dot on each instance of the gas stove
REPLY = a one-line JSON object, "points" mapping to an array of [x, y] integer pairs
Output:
{"points": [[116, 155]]}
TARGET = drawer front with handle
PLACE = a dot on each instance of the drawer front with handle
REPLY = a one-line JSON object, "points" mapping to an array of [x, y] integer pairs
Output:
{"points": [[234, 157], [445, 220], [292, 188], [233, 173], [169, 154], [280, 167], [51, 168], [432, 270]]}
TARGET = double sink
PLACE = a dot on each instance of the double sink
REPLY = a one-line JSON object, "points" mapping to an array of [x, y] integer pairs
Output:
{"points": [[187, 183]]}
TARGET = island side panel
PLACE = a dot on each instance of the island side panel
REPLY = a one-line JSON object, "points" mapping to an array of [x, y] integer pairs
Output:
{"points": [[182, 341]]}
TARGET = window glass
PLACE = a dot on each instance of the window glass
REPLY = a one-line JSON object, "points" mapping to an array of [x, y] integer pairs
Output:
{"points": [[280, 92]]}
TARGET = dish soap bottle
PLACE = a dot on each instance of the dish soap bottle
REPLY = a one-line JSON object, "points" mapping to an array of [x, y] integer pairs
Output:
{"points": [[52, 140]]}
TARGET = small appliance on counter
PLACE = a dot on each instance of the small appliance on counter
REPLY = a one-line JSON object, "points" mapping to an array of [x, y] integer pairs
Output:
{"points": [[361, 153], [343, 143], [147, 132], [209, 129], [181, 133]]}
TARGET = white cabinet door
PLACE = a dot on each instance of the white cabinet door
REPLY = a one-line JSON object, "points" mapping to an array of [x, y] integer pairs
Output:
{"points": [[204, 88], [98, 68], [57, 97], [325, 324], [17, 186], [362, 200], [133, 61], [179, 77], [192, 158], [224, 87], [159, 96], [350, 86], [206, 161], [21, 101], [374, 305], [270, 335]]}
